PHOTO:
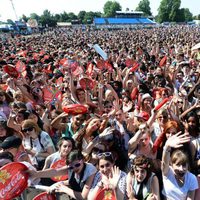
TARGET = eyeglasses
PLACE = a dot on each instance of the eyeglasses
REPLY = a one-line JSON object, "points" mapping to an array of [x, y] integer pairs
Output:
{"points": [[103, 166], [27, 129], [76, 165], [180, 102], [104, 154]]}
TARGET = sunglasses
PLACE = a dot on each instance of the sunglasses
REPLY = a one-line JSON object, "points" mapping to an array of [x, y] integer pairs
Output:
{"points": [[104, 154], [27, 129], [76, 165]]}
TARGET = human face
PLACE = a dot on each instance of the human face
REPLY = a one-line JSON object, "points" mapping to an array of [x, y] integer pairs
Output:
{"points": [[105, 167], [66, 147], [93, 125], [76, 166], [19, 118], [78, 120], [171, 131], [39, 110], [180, 103], [192, 122], [2, 131], [144, 140], [162, 119], [81, 96], [107, 108], [179, 169], [140, 174], [19, 97], [147, 101], [29, 131], [119, 116]]}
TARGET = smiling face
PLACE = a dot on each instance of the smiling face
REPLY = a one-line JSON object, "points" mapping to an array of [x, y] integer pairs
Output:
{"points": [[65, 148], [105, 167], [140, 174]]}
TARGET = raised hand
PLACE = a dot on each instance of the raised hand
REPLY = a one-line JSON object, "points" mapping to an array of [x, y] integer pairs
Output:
{"points": [[177, 140], [114, 177]]}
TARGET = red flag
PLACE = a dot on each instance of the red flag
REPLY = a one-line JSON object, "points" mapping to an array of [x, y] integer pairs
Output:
{"points": [[20, 66], [77, 71], [129, 62], [163, 61], [22, 53], [89, 69], [100, 64], [135, 67], [42, 52], [64, 62], [48, 70], [36, 56], [108, 66]]}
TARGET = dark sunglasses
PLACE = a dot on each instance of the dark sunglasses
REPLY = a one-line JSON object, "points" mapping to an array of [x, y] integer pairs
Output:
{"points": [[27, 129], [74, 166]]}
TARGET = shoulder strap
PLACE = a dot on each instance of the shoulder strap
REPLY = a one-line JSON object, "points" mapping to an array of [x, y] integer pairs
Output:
{"points": [[39, 138]]}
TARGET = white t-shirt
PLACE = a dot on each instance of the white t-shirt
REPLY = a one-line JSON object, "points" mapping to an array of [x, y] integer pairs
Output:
{"points": [[35, 145], [172, 190]]}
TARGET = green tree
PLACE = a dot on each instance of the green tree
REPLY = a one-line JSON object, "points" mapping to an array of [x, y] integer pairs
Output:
{"points": [[57, 18], [64, 17], [35, 16], [81, 15], [175, 5], [188, 15], [72, 16], [110, 7], [169, 10], [144, 6], [47, 19]]}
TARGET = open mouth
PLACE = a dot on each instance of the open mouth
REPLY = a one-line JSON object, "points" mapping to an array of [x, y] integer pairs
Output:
{"points": [[180, 174]]}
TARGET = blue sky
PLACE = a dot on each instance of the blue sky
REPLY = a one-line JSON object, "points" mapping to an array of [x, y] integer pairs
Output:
{"points": [[38, 6]]}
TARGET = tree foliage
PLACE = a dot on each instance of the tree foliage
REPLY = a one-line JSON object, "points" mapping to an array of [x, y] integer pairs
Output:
{"points": [[169, 11], [110, 8], [144, 6]]}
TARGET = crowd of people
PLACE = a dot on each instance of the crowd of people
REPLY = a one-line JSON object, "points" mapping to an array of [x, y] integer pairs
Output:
{"points": [[140, 135]]}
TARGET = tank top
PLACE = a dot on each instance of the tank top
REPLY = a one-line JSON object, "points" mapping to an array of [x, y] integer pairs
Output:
{"points": [[146, 187]]}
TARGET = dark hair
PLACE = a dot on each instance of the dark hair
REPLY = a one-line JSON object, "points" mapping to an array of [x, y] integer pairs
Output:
{"points": [[108, 158], [74, 155], [6, 155], [60, 142], [25, 113], [193, 114], [143, 162]]}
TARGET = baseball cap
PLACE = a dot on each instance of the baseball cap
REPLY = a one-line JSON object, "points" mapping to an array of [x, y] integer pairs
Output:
{"points": [[11, 142], [144, 115]]}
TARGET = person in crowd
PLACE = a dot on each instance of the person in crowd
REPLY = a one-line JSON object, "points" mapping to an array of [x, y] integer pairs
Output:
{"points": [[142, 183], [108, 176], [80, 176], [36, 142], [178, 182]]}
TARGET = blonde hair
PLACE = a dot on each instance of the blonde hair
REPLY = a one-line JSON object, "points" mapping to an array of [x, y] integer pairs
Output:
{"points": [[180, 157]]}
